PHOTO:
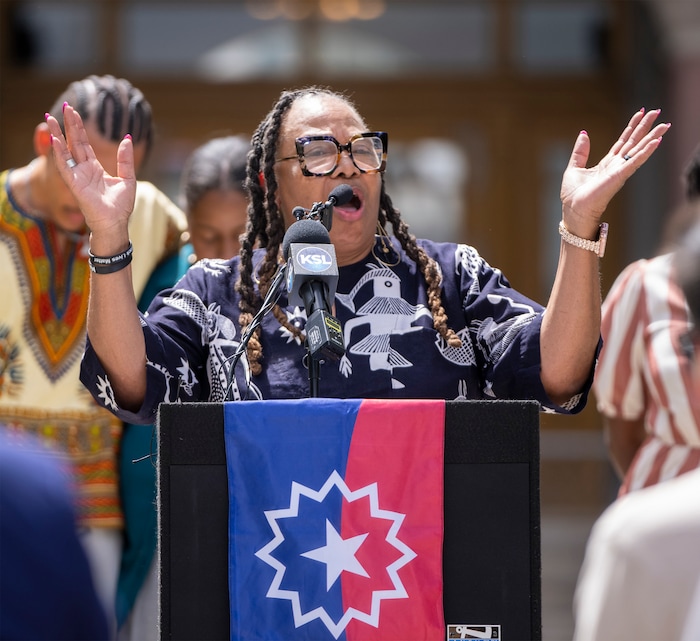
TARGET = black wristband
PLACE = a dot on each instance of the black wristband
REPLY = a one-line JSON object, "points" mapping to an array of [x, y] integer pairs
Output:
{"points": [[110, 264]]}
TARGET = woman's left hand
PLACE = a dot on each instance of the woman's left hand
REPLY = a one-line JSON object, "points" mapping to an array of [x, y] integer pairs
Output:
{"points": [[586, 192]]}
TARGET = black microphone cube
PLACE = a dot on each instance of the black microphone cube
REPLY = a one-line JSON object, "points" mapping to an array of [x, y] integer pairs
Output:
{"points": [[324, 336], [310, 262]]}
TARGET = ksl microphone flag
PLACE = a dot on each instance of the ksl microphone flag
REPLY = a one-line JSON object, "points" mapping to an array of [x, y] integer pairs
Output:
{"points": [[335, 519]]}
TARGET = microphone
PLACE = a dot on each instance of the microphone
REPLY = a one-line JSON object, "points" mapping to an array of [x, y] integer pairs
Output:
{"points": [[312, 277], [340, 195]]}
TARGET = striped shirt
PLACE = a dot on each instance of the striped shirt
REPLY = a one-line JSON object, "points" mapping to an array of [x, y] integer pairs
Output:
{"points": [[644, 371]]}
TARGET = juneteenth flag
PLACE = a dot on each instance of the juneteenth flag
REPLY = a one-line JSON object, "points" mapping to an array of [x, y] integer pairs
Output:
{"points": [[336, 519]]}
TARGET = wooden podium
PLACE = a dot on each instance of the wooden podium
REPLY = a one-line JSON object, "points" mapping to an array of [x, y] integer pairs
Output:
{"points": [[491, 548]]}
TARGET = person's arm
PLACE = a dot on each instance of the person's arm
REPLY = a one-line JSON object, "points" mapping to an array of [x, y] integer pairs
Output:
{"points": [[571, 324], [106, 201], [623, 438]]}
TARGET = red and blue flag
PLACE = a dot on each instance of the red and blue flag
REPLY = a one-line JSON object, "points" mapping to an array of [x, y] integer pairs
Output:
{"points": [[336, 519]]}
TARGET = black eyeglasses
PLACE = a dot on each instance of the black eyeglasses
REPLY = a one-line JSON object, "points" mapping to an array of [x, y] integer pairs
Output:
{"points": [[320, 155]]}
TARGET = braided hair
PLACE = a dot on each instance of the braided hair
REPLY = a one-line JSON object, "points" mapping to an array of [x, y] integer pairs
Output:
{"points": [[265, 227], [115, 106]]}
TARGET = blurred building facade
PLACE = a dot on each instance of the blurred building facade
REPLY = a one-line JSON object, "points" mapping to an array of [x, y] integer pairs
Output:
{"points": [[483, 97]]}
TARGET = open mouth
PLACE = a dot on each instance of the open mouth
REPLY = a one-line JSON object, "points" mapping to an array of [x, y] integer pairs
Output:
{"points": [[354, 204], [353, 210]]}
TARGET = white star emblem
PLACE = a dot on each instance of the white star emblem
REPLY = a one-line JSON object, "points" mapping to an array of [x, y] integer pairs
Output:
{"points": [[333, 544], [338, 554]]}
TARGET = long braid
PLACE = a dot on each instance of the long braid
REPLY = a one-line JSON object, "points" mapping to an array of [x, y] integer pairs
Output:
{"points": [[265, 224], [255, 231], [427, 266], [255, 226], [276, 228]]}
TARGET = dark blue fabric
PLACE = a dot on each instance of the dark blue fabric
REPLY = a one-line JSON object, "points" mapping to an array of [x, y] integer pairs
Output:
{"points": [[46, 589], [392, 350]]}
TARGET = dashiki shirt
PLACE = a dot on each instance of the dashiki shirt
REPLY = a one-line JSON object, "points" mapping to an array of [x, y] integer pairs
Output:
{"points": [[42, 339], [391, 348]]}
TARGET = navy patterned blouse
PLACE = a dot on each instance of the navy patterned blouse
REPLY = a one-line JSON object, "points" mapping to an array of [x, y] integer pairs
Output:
{"points": [[391, 348]]}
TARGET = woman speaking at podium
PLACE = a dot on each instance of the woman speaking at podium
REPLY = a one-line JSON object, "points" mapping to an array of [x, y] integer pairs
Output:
{"points": [[418, 319]]}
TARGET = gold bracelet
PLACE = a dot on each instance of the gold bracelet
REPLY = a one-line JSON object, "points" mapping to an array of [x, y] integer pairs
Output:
{"points": [[595, 246]]}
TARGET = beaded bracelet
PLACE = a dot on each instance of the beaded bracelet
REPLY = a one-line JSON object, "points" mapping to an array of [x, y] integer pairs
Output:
{"points": [[596, 246], [110, 264]]}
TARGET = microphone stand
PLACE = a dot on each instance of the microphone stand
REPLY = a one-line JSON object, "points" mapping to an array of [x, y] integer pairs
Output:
{"points": [[314, 373], [320, 211], [324, 337], [323, 333]]}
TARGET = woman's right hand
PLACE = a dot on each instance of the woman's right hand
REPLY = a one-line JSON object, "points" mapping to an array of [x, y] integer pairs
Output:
{"points": [[106, 201]]}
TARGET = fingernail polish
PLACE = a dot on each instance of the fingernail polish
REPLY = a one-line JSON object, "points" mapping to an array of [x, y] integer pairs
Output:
{"points": [[65, 104], [642, 110], [128, 136], [46, 115], [584, 132]]}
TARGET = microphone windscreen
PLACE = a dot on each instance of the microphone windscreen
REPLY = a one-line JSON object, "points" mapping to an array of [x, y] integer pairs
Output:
{"points": [[305, 231], [342, 194]]}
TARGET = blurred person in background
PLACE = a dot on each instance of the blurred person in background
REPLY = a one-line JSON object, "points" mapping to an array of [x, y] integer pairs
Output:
{"points": [[688, 264], [46, 586], [215, 201], [640, 579], [643, 382], [213, 195], [46, 264]]}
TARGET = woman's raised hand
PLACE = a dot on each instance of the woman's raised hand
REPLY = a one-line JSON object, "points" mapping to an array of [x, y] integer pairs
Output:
{"points": [[586, 192], [106, 201]]}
